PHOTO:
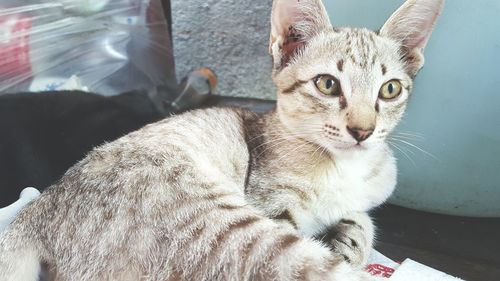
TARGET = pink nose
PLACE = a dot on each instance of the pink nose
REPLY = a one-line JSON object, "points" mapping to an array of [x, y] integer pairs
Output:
{"points": [[360, 134]]}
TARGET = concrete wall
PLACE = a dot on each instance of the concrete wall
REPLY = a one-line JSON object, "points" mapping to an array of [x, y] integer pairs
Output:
{"points": [[231, 37]]}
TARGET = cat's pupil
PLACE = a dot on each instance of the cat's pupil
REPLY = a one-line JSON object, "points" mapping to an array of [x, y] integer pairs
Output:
{"points": [[390, 88], [329, 83]]}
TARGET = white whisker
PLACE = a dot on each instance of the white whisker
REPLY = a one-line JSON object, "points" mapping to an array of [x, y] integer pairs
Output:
{"points": [[403, 152], [416, 147]]}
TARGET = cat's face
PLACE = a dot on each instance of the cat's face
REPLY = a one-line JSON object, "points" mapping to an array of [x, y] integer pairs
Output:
{"points": [[345, 88], [349, 88]]}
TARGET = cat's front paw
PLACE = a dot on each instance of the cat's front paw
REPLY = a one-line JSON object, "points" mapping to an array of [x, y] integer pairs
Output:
{"points": [[351, 239]]}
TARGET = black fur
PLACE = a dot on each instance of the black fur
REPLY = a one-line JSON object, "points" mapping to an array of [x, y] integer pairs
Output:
{"points": [[43, 134]]}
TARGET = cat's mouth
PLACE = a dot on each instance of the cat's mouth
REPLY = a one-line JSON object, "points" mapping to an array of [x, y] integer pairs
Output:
{"points": [[350, 146]]}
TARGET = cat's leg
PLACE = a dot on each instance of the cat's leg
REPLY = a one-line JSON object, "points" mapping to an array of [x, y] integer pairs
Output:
{"points": [[19, 260], [352, 238], [245, 246]]}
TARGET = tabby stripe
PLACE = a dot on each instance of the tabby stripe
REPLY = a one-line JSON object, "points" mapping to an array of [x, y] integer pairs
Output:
{"points": [[282, 243], [245, 253], [299, 192], [228, 207], [197, 231], [218, 243], [384, 69], [350, 245], [340, 65], [329, 266], [223, 233], [316, 103], [235, 225], [294, 87], [188, 206], [351, 222], [285, 215], [331, 263]]}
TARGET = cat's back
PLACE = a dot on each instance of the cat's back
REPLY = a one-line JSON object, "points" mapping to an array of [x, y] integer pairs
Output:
{"points": [[192, 134], [202, 141], [215, 129]]}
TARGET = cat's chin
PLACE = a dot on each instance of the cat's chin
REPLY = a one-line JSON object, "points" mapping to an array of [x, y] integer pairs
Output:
{"points": [[348, 148], [355, 147]]}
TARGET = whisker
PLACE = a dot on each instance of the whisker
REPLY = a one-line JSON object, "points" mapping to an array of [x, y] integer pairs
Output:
{"points": [[318, 158], [408, 137], [403, 152], [410, 134], [277, 142], [294, 150], [416, 147]]}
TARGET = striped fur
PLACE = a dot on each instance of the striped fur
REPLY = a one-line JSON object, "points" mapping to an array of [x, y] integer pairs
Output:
{"points": [[164, 203], [224, 194]]}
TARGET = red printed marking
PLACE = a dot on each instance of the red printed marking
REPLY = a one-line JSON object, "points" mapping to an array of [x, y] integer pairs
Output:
{"points": [[14, 46], [379, 270]]}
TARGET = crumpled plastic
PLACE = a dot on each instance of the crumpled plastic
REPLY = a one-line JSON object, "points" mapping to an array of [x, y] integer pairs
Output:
{"points": [[106, 46]]}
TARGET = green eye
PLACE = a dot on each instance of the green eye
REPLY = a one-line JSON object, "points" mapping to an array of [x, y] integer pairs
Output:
{"points": [[390, 90], [327, 85]]}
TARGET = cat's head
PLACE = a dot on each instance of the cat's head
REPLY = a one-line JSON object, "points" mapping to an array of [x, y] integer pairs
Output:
{"points": [[346, 88]]}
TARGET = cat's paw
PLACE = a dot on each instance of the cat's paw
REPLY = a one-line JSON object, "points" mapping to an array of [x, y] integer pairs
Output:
{"points": [[351, 238]]}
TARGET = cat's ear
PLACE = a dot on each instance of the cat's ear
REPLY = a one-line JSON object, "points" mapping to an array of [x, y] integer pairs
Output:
{"points": [[412, 25], [293, 23]]}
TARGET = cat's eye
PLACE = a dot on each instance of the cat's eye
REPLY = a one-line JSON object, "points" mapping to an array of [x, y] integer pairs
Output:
{"points": [[390, 90], [327, 85]]}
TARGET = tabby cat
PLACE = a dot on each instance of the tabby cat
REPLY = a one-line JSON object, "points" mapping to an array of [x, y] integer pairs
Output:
{"points": [[230, 195]]}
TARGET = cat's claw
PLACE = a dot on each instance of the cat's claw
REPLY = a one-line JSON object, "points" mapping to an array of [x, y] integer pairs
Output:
{"points": [[351, 239]]}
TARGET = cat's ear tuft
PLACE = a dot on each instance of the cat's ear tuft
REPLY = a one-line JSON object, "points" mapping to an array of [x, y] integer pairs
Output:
{"points": [[411, 25], [293, 23]]}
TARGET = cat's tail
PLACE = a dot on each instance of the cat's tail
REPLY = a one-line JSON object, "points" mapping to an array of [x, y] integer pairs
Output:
{"points": [[20, 254]]}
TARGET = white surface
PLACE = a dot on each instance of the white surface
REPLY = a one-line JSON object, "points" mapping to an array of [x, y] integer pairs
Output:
{"points": [[378, 258], [411, 270], [8, 213]]}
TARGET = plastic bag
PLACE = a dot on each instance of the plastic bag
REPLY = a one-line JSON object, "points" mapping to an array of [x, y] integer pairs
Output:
{"points": [[104, 46]]}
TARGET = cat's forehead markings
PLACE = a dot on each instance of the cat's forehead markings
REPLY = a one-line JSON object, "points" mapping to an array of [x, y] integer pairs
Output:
{"points": [[360, 47], [374, 59], [340, 65]]}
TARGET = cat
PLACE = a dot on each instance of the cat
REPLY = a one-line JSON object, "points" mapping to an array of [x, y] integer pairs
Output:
{"points": [[225, 194]]}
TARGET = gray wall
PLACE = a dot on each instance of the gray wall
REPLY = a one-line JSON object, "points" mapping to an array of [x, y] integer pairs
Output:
{"points": [[231, 37]]}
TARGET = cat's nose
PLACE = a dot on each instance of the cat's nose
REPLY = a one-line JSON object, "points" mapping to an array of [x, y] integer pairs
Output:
{"points": [[360, 134]]}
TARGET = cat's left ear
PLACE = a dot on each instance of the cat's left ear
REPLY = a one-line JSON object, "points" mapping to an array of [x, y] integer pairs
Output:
{"points": [[293, 23], [412, 25]]}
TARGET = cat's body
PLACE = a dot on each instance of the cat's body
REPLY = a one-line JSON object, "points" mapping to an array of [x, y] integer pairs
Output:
{"points": [[135, 219], [229, 195]]}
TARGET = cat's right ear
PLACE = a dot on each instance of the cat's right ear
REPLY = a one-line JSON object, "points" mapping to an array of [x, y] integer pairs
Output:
{"points": [[293, 23]]}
